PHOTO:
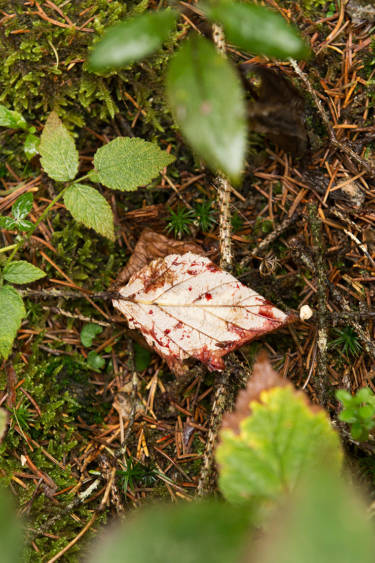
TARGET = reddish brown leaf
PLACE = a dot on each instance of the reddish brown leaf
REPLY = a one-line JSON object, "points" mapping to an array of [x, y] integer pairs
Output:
{"points": [[185, 306], [153, 245]]}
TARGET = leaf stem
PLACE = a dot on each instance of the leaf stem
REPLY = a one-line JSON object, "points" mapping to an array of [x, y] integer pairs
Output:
{"points": [[6, 248]]}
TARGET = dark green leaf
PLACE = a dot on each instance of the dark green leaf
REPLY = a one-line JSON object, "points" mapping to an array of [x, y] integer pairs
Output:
{"points": [[132, 40], [89, 207], [206, 97], [127, 163], [21, 271], [24, 225], [59, 156], [12, 119], [31, 146], [257, 29], [22, 206], [12, 311], [94, 361], [89, 333], [205, 532], [142, 357]]}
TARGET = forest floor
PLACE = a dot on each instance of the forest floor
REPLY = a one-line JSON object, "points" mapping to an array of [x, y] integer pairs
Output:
{"points": [[87, 438]]}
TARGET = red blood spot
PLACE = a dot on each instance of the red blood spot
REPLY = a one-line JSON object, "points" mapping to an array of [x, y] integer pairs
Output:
{"points": [[179, 325], [151, 312], [266, 310], [192, 272], [190, 288], [167, 331], [211, 267], [208, 296]]}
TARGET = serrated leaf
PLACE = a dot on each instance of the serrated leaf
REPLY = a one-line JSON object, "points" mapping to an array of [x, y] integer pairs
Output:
{"points": [[273, 439], [205, 532], [206, 98], [21, 271], [132, 40], [128, 163], [12, 311], [59, 156], [257, 29], [89, 332], [185, 306], [12, 119], [31, 146], [89, 207], [22, 206]]}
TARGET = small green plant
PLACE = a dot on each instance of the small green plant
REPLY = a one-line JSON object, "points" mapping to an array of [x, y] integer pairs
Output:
{"points": [[180, 221], [22, 415], [14, 120], [358, 411], [347, 341], [136, 472], [204, 215]]}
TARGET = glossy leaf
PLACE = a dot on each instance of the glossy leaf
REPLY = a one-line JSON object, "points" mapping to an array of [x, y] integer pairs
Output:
{"points": [[206, 98], [12, 119], [257, 29], [132, 40], [185, 306], [12, 311], [89, 332], [128, 163], [8, 223], [31, 146], [205, 532], [22, 206], [59, 156], [21, 271], [89, 207], [272, 440]]}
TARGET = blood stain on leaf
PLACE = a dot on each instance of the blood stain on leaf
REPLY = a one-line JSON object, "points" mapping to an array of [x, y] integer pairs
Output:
{"points": [[186, 307]]}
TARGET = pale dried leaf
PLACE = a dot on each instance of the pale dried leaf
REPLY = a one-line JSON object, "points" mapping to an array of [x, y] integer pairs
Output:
{"points": [[153, 245], [185, 306]]}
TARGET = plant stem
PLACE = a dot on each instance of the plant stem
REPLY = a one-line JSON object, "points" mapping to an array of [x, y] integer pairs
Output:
{"points": [[6, 248]]}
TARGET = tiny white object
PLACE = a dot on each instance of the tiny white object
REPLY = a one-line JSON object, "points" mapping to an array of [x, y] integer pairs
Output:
{"points": [[305, 313]]}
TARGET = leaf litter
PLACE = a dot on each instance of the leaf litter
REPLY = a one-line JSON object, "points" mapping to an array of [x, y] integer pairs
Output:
{"points": [[187, 307]]}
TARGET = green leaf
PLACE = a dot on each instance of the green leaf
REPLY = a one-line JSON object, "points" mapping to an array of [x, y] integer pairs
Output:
{"points": [[59, 156], [132, 40], [344, 396], [206, 98], [205, 532], [3, 423], [31, 146], [12, 311], [94, 361], [89, 207], [278, 442], [12, 119], [127, 163], [142, 357], [22, 206], [324, 522], [21, 271], [7, 223], [89, 333], [257, 29], [24, 225], [11, 534]]}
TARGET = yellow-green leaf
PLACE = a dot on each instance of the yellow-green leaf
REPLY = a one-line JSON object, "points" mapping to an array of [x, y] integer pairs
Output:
{"points": [[59, 156], [12, 311]]}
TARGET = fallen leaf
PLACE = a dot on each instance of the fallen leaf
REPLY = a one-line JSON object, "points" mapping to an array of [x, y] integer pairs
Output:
{"points": [[185, 306], [153, 245]]}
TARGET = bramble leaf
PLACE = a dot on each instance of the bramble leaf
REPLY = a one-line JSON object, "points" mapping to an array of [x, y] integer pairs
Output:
{"points": [[132, 40], [89, 207], [206, 98], [59, 156], [21, 271], [12, 311], [272, 440], [11, 119], [128, 163]]}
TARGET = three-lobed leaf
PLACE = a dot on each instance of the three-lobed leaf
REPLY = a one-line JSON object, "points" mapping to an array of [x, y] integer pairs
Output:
{"points": [[132, 40], [21, 272], [257, 29], [59, 156], [12, 119], [206, 98], [273, 439], [89, 207], [128, 163], [12, 311]]}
